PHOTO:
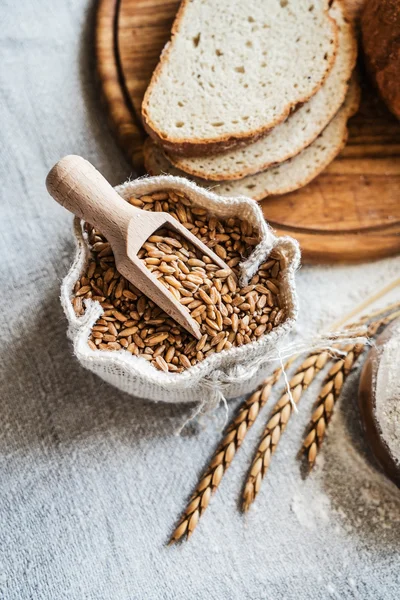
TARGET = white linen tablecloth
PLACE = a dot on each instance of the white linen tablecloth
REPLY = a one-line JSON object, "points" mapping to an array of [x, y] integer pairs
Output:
{"points": [[91, 480]]}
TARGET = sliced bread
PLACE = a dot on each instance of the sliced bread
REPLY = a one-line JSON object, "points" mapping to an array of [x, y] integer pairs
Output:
{"points": [[286, 177], [297, 132], [233, 70]]}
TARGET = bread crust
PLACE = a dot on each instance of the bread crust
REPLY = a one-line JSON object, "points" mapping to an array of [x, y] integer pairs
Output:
{"points": [[179, 161], [380, 26], [151, 149], [225, 142]]}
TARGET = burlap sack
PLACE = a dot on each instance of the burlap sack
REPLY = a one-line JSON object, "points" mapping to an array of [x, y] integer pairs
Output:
{"points": [[230, 373]]}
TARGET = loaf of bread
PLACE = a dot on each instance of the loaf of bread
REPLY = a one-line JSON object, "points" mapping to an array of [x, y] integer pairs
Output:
{"points": [[381, 41], [284, 178], [297, 132], [233, 70]]}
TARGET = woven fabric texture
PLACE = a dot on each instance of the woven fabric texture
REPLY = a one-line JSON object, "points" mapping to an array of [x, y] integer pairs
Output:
{"points": [[229, 374], [93, 479]]}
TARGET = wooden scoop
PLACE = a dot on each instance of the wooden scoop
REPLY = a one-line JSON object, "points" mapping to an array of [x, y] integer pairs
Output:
{"points": [[81, 189]]}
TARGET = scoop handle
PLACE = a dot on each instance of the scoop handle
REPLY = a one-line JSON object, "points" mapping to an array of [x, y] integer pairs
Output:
{"points": [[75, 184]]}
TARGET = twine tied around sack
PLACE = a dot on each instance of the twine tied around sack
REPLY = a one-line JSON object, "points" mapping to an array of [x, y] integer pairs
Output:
{"points": [[218, 381], [129, 372]]}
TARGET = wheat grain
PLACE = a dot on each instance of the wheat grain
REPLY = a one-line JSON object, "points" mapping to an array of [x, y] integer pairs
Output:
{"points": [[211, 294]]}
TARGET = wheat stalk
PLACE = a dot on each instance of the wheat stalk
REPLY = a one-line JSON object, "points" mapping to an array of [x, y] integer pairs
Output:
{"points": [[237, 430], [327, 398], [277, 423], [223, 456], [284, 407], [331, 390]]}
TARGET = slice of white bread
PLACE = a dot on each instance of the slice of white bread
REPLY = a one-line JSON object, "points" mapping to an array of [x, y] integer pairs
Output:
{"points": [[235, 69], [286, 177], [297, 132]]}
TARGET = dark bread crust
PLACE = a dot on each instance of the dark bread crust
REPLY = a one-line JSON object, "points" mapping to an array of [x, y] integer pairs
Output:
{"points": [[367, 403], [201, 148], [151, 151], [224, 142], [380, 26]]}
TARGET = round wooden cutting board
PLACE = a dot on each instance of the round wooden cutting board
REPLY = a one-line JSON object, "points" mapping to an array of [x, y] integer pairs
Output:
{"points": [[351, 212]]}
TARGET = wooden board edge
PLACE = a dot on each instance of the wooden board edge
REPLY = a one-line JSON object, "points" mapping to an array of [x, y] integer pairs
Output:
{"points": [[320, 247], [343, 248], [120, 114]]}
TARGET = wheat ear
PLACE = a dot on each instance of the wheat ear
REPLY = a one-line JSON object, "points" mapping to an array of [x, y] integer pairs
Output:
{"points": [[277, 423], [283, 409], [331, 390], [235, 435], [329, 394], [223, 456]]}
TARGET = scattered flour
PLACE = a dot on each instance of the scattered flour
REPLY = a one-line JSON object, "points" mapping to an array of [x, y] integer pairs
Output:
{"points": [[311, 515], [387, 409], [346, 494]]}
